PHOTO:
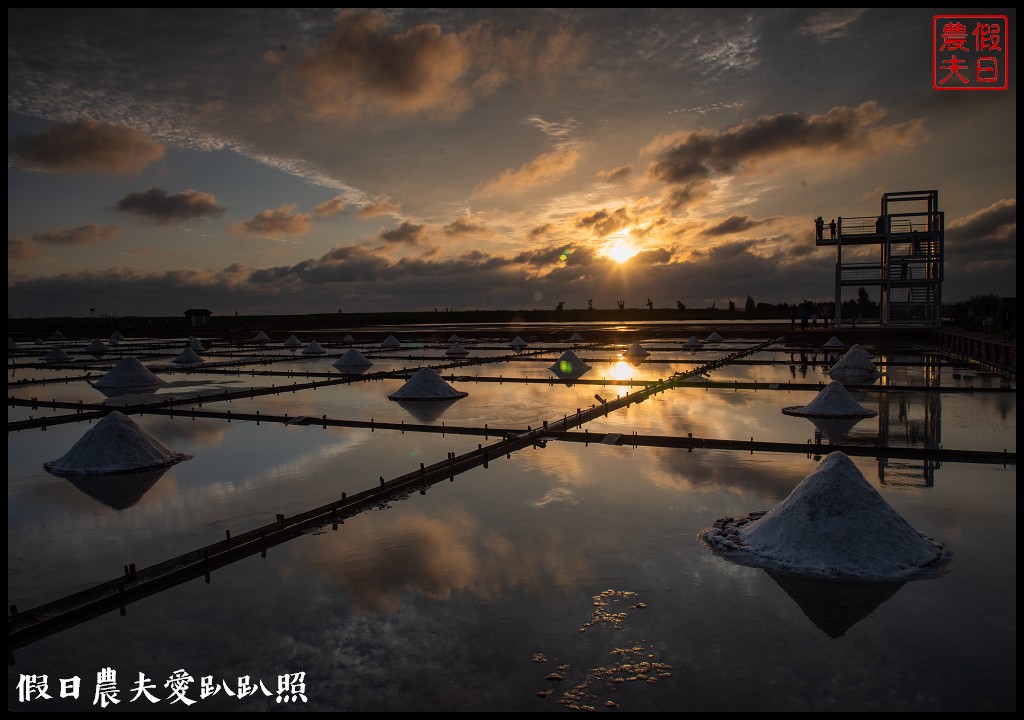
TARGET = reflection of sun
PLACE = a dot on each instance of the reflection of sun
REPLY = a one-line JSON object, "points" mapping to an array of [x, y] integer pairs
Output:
{"points": [[620, 248], [621, 370]]}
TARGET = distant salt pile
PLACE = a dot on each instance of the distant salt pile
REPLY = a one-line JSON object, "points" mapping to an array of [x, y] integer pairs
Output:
{"points": [[116, 444], [57, 355], [834, 401], [518, 344], [569, 366], [576, 338], [115, 338], [261, 337], [348, 339], [57, 335], [693, 342], [833, 525], [713, 337], [454, 338], [636, 350], [39, 341], [11, 345], [854, 366], [96, 347], [129, 372], [426, 384], [313, 348], [187, 357], [391, 342], [352, 359], [834, 342], [292, 342], [456, 350], [196, 346]]}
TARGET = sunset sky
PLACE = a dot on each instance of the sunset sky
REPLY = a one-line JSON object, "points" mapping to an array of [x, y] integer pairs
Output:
{"points": [[310, 160]]}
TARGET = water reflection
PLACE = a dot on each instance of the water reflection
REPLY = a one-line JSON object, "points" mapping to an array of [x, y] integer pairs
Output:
{"points": [[835, 606], [118, 491], [427, 411]]}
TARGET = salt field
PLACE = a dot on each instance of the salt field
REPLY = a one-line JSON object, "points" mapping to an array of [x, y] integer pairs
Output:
{"points": [[523, 527]]}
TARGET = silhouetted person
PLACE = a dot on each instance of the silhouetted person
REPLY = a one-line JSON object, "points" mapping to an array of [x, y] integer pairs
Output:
{"points": [[832, 228], [819, 228], [803, 318]]}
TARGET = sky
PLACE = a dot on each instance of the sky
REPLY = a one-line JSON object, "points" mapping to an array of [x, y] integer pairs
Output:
{"points": [[281, 161]]}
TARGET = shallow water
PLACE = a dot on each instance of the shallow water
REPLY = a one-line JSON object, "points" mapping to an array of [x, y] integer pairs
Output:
{"points": [[581, 560]]}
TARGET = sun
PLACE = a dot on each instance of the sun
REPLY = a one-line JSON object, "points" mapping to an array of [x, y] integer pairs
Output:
{"points": [[620, 249]]}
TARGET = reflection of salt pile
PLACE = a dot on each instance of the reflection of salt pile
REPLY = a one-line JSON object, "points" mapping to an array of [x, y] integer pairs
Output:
{"points": [[854, 366], [518, 343], [569, 366], [129, 373], [57, 355], [313, 348], [96, 347], [834, 524], [187, 357], [636, 350], [116, 444], [693, 342], [391, 342], [834, 401], [713, 337], [261, 337], [834, 342], [456, 350], [426, 384], [353, 359]]}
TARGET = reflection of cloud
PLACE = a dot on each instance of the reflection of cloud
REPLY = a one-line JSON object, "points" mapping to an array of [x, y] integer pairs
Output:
{"points": [[557, 494]]}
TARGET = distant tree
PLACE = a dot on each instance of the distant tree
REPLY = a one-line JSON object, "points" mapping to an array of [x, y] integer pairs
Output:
{"points": [[750, 305], [679, 305], [621, 304], [590, 304], [650, 304], [560, 306], [732, 307], [862, 297]]}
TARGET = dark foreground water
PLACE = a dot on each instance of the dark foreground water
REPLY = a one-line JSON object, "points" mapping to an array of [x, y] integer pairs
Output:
{"points": [[575, 561]]}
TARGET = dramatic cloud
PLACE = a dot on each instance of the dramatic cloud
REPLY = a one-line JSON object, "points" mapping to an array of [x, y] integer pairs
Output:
{"points": [[540, 230], [542, 170], [615, 174], [405, 234], [86, 146], [604, 222], [81, 235], [156, 205], [463, 226], [330, 207], [21, 249], [830, 24], [988, 235], [274, 224], [734, 224], [689, 156], [380, 206]]}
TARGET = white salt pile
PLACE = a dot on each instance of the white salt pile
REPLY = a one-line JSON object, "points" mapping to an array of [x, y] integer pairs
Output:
{"points": [[576, 338], [261, 337], [391, 342], [833, 525], [57, 335], [129, 372], [518, 343], [96, 347], [115, 338], [313, 348], [292, 342], [426, 384], [116, 444], [855, 366], [834, 342], [348, 339], [693, 342], [636, 350], [834, 401], [57, 355], [713, 337], [353, 358], [454, 338], [569, 365], [196, 346], [456, 350], [187, 357]]}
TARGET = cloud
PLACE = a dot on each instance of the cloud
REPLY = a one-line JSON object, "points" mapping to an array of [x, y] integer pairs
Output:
{"points": [[540, 230], [604, 222], [689, 156], [86, 146], [330, 207], [463, 226], [380, 206], [615, 174], [733, 224], [405, 234], [685, 195], [542, 170], [274, 224], [830, 24], [156, 205], [81, 235], [21, 249], [552, 128], [987, 235]]}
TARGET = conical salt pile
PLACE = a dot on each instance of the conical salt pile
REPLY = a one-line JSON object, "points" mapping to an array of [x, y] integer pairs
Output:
{"points": [[292, 342], [353, 358], [854, 366], [196, 346], [637, 350], [569, 365], [57, 355], [576, 338], [115, 338], [454, 338], [313, 349], [693, 342], [391, 342], [96, 347], [348, 339], [834, 525], [456, 350], [187, 357], [426, 384], [834, 342], [713, 337], [129, 373], [834, 401], [116, 444], [261, 337], [518, 343], [57, 335]]}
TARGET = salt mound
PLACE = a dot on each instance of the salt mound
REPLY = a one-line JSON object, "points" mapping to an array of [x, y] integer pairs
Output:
{"points": [[637, 350], [129, 372], [854, 365], [313, 349], [57, 335], [576, 338], [834, 342], [115, 338], [116, 444], [713, 337], [187, 357], [693, 342], [96, 347], [518, 343], [456, 349], [353, 358], [261, 337], [426, 384], [569, 365], [833, 525], [196, 346], [391, 342], [454, 338], [292, 342], [833, 401], [56, 355], [39, 341], [348, 339]]}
